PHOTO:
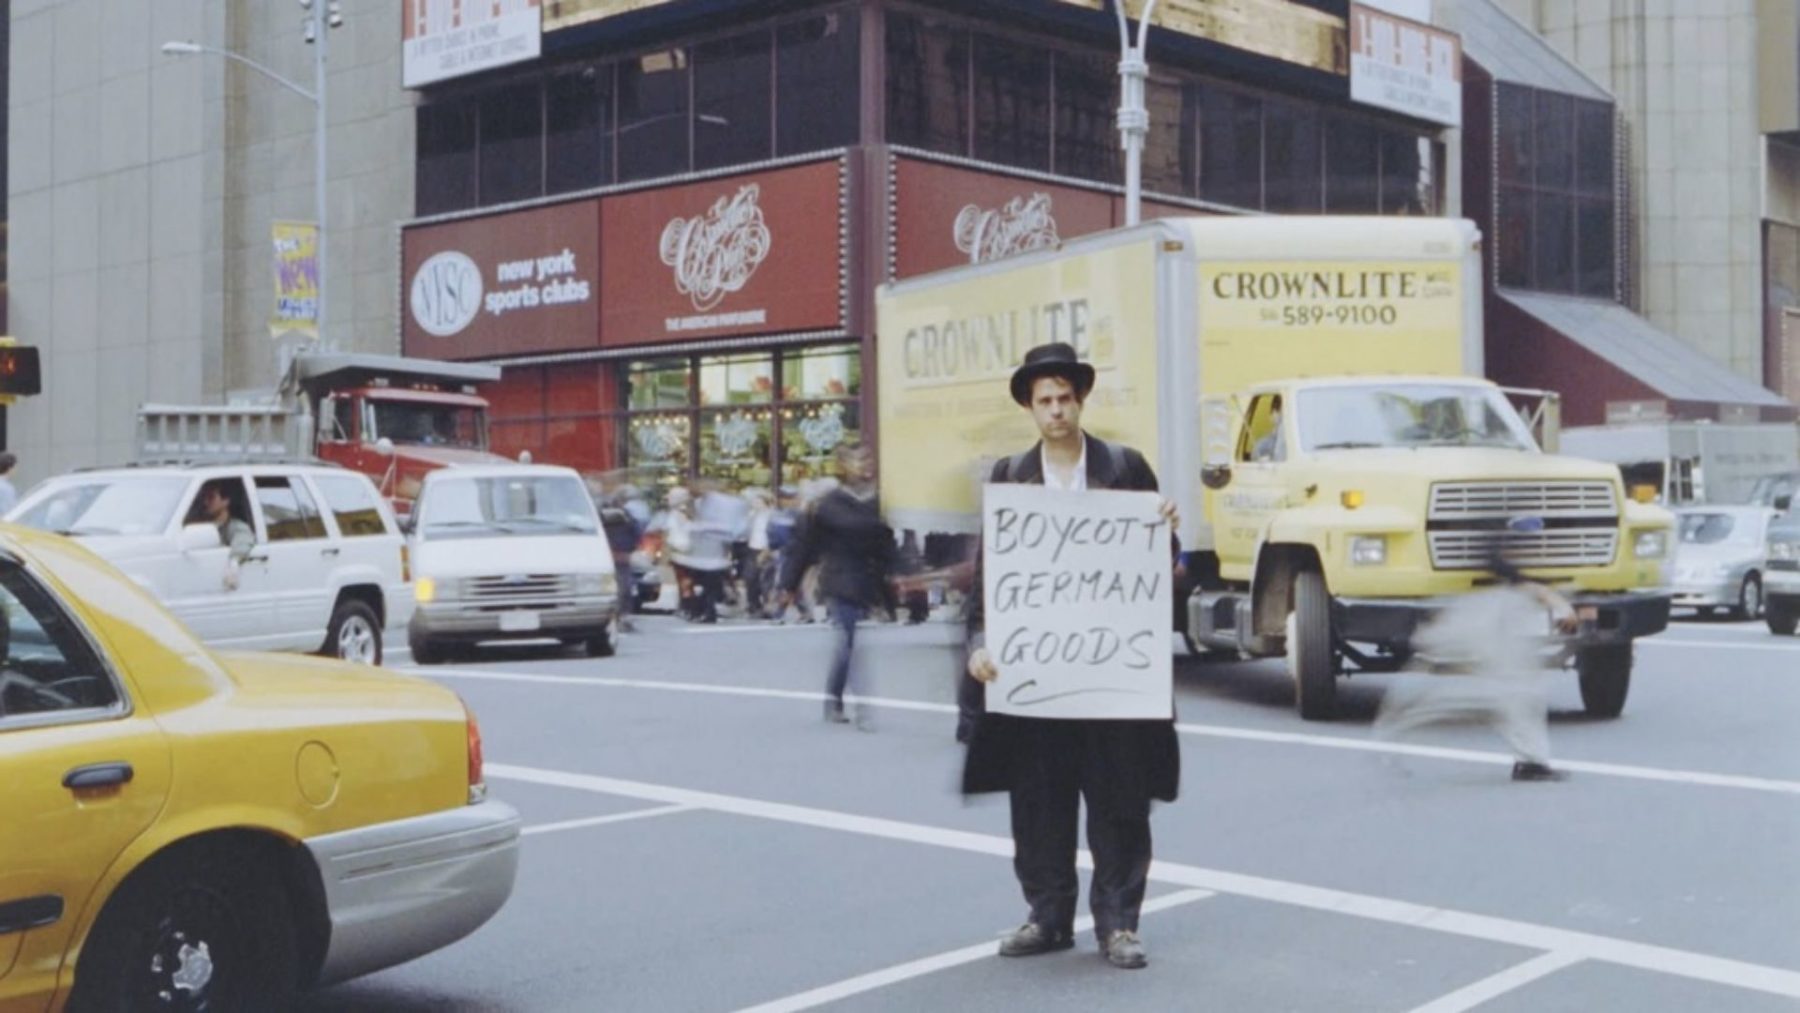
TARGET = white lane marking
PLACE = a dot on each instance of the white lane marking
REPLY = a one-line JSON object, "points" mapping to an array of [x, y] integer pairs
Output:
{"points": [[1721, 645], [1643, 956], [1664, 775], [595, 821], [1518, 976], [931, 965]]}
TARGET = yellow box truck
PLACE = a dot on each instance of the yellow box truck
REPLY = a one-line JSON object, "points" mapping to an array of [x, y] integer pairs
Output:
{"points": [[1310, 391]]}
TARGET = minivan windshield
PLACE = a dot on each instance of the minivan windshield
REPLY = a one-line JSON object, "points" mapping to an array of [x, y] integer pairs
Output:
{"points": [[1409, 415], [133, 505], [522, 505]]}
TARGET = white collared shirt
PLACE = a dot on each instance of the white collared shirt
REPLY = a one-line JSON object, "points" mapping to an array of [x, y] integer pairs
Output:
{"points": [[1079, 482]]}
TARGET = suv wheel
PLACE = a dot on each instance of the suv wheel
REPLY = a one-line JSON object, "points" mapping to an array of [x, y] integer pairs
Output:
{"points": [[1750, 597], [355, 633], [1782, 615]]}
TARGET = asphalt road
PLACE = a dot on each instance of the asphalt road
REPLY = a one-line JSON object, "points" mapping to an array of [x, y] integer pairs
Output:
{"points": [[698, 839]]}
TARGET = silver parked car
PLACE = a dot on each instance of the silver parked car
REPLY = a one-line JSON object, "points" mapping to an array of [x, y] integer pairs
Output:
{"points": [[1719, 558]]}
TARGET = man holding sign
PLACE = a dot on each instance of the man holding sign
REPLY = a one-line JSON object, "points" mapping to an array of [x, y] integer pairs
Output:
{"points": [[1071, 638]]}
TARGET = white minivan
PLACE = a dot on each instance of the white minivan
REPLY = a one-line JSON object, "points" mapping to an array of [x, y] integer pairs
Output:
{"points": [[509, 552], [326, 572]]}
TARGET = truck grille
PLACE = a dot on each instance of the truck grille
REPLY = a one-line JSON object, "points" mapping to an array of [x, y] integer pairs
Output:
{"points": [[1505, 500], [1536, 524], [520, 588], [1470, 550]]}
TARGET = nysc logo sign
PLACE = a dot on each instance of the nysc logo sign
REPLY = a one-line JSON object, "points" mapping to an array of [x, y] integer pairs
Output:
{"points": [[446, 293]]}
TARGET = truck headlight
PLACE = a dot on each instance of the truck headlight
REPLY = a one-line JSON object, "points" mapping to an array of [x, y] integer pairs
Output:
{"points": [[1651, 544], [1368, 550], [596, 583]]}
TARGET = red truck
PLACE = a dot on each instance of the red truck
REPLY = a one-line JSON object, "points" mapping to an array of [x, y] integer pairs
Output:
{"points": [[389, 417]]}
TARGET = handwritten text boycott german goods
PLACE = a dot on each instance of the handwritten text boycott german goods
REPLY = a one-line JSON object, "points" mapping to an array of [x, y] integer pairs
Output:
{"points": [[1078, 600]]}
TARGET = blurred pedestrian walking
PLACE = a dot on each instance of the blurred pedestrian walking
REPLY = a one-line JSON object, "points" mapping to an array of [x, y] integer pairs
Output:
{"points": [[844, 535], [1482, 659]]}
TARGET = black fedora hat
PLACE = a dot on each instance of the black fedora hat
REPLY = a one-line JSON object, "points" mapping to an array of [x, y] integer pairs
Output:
{"points": [[1055, 359]]}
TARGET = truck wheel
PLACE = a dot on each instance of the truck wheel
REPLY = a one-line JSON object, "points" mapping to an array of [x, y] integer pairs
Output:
{"points": [[1310, 656], [1750, 597], [354, 633], [426, 651], [1605, 679], [1783, 616], [210, 925]]}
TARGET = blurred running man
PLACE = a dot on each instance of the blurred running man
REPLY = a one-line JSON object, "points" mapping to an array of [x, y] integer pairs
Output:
{"points": [[1485, 653]]}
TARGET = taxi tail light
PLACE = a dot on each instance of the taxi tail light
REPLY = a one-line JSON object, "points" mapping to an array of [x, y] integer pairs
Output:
{"points": [[477, 781]]}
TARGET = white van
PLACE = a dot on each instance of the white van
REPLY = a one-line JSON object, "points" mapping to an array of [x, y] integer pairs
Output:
{"points": [[510, 552], [327, 572]]}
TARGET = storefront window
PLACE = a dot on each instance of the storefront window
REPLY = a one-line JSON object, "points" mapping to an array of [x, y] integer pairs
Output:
{"points": [[731, 100], [658, 383], [1557, 218], [512, 144], [659, 447], [1012, 103], [818, 374], [578, 128], [445, 177], [810, 437], [1352, 167], [653, 115], [1169, 150], [1406, 174], [1594, 234], [1230, 148], [1087, 142], [741, 379], [735, 447], [1514, 215], [928, 84], [1293, 173], [817, 83]]}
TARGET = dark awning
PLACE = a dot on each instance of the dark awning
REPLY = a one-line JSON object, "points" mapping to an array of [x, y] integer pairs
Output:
{"points": [[1651, 357]]}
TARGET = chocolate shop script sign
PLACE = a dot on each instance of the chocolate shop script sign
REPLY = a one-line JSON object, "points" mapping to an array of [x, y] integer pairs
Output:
{"points": [[1078, 590]]}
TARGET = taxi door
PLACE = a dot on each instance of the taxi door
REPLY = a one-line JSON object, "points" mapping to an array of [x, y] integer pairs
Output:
{"points": [[84, 773]]}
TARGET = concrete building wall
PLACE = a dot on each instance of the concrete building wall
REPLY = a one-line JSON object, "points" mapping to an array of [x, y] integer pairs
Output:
{"points": [[141, 188], [1685, 77]]}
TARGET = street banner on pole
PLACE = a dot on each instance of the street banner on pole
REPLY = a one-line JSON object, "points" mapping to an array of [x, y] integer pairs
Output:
{"points": [[296, 279], [1078, 593]]}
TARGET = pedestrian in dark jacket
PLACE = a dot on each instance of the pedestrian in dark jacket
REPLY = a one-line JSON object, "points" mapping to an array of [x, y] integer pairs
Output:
{"points": [[1049, 765], [844, 535]]}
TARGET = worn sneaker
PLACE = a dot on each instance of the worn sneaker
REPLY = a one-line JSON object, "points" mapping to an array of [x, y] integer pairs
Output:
{"points": [[1526, 770], [1124, 949], [1031, 939], [834, 712]]}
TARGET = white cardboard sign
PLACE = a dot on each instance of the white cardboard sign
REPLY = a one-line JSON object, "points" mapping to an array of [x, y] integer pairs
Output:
{"points": [[1079, 592]]}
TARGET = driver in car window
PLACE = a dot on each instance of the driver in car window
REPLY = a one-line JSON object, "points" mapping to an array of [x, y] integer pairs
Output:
{"points": [[214, 507], [1271, 447]]}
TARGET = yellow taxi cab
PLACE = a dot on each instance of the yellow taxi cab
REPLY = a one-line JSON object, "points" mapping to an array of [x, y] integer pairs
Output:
{"points": [[188, 829]]}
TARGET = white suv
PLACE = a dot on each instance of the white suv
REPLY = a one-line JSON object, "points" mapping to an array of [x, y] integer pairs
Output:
{"points": [[327, 571]]}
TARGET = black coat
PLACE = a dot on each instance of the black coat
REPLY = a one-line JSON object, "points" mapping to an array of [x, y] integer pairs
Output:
{"points": [[854, 549], [1140, 760]]}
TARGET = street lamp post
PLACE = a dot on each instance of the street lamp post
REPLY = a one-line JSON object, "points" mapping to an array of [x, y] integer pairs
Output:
{"points": [[1134, 117], [321, 16]]}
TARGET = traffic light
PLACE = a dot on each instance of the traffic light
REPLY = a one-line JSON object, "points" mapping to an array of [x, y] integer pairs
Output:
{"points": [[19, 370]]}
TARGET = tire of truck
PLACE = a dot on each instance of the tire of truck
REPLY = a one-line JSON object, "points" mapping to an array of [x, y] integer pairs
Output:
{"points": [[1605, 674], [604, 643], [1750, 597], [1782, 615], [354, 633], [1310, 656]]}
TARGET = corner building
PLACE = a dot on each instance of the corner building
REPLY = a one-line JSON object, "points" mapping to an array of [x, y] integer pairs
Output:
{"points": [[668, 228]]}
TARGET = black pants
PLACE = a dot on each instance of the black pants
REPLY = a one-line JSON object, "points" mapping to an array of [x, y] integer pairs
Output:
{"points": [[1046, 799]]}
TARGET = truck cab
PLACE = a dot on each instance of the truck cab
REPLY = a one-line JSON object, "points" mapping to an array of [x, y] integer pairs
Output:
{"points": [[1348, 508], [396, 435]]}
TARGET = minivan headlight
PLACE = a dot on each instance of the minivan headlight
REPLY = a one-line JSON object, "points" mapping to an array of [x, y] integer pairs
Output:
{"points": [[1782, 550], [595, 583], [1651, 544]]}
